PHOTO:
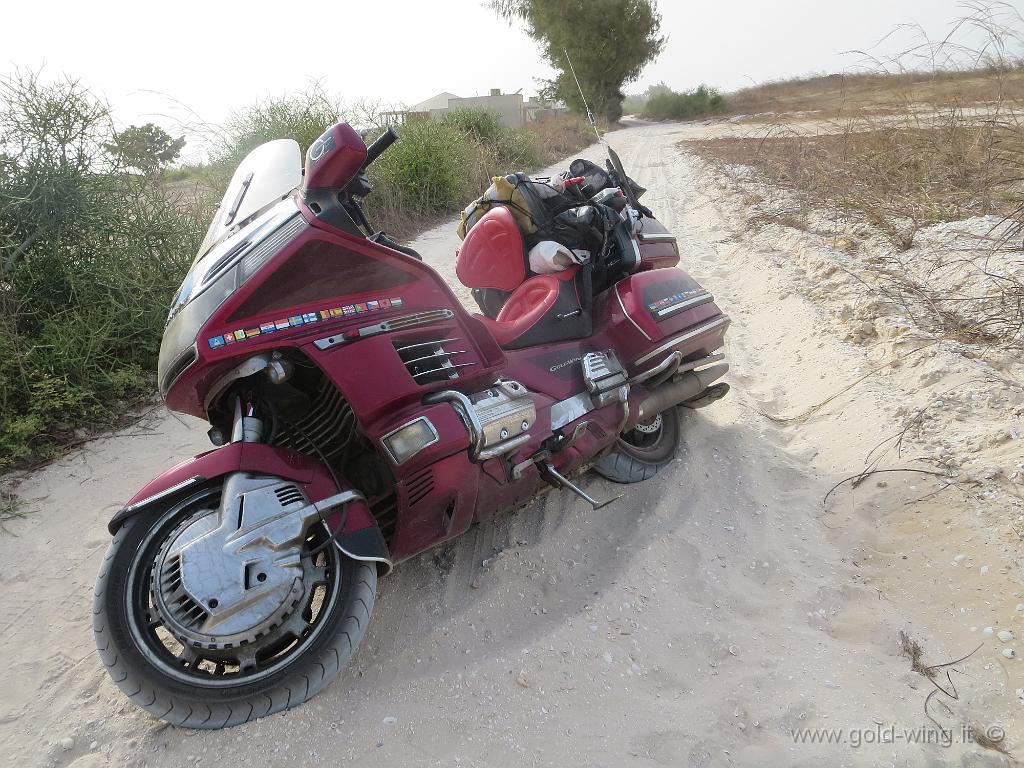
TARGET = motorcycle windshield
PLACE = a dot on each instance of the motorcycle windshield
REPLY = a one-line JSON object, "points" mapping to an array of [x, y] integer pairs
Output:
{"points": [[267, 174]]}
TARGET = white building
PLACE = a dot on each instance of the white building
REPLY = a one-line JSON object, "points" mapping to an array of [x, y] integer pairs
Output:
{"points": [[511, 107]]}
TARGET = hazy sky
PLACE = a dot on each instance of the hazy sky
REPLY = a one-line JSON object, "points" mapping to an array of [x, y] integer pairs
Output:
{"points": [[217, 56]]}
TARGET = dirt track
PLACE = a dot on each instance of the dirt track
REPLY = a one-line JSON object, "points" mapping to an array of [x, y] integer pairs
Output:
{"points": [[696, 622]]}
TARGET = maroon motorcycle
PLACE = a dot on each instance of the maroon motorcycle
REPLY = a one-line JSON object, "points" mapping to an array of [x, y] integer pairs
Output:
{"points": [[361, 415]]}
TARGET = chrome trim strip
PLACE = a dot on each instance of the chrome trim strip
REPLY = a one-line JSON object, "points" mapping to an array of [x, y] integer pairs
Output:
{"points": [[430, 425], [656, 237], [196, 480], [696, 301], [434, 355], [329, 503], [624, 312], [709, 326], [425, 343], [414, 320], [447, 367]]}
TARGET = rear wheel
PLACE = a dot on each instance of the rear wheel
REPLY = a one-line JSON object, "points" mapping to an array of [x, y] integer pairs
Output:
{"points": [[643, 451], [143, 636]]}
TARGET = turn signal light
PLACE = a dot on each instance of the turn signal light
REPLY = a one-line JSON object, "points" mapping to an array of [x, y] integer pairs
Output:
{"points": [[409, 439]]}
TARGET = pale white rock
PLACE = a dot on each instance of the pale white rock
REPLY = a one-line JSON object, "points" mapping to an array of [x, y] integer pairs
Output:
{"points": [[1009, 653], [984, 570], [1005, 635], [988, 631]]}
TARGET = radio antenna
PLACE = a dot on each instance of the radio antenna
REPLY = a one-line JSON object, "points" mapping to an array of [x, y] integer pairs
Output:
{"points": [[613, 159], [590, 115]]}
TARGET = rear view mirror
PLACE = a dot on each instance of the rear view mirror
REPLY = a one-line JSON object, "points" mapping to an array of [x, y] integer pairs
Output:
{"points": [[334, 159]]}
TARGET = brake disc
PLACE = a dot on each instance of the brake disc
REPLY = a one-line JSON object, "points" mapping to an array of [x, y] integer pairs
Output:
{"points": [[651, 428], [236, 575]]}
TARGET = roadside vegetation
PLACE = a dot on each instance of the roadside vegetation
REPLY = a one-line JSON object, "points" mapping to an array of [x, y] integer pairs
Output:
{"points": [[660, 102], [96, 232], [90, 253], [887, 157]]}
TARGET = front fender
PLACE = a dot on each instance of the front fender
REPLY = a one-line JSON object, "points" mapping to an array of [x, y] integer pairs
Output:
{"points": [[361, 538]]}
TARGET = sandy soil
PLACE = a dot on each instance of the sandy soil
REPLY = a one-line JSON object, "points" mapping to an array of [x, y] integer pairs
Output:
{"points": [[701, 621]]}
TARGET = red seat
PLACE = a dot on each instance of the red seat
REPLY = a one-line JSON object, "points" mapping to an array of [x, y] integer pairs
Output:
{"points": [[493, 256], [526, 307]]}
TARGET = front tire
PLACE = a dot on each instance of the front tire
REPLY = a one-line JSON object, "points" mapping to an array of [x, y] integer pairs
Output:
{"points": [[643, 451], [199, 692]]}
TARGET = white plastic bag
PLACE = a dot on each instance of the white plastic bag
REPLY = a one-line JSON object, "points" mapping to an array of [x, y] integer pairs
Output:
{"points": [[547, 256]]}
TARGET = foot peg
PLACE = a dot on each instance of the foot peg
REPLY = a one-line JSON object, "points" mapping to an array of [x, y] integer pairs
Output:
{"points": [[556, 478]]}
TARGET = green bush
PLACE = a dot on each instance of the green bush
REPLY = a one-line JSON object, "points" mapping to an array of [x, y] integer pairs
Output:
{"points": [[505, 149], [303, 117], [680, 106], [425, 172], [90, 256]]}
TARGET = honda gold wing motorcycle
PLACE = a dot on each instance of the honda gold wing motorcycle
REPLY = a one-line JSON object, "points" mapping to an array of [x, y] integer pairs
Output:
{"points": [[360, 415]]}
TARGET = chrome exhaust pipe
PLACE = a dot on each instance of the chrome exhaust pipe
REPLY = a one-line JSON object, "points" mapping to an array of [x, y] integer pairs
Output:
{"points": [[679, 390]]}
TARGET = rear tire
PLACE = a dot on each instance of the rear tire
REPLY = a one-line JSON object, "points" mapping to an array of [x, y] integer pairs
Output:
{"points": [[643, 451], [131, 663]]}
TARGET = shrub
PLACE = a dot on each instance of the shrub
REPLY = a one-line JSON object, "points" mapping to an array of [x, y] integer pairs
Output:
{"points": [[504, 148], [303, 117], [89, 259], [682, 106], [425, 172]]}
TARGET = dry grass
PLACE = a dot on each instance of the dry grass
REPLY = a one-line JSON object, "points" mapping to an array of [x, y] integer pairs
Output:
{"points": [[560, 136], [832, 96], [897, 177], [11, 508], [912, 650]]}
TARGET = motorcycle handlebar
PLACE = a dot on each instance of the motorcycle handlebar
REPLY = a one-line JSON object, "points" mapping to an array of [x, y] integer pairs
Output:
{"points": [[384, 141]]}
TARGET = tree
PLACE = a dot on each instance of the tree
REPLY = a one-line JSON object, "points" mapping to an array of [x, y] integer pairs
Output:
{"points": [[147, 148], [608, 41]]}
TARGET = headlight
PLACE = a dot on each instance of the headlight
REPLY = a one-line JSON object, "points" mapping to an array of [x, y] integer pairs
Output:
{"points": [[409, 439]]}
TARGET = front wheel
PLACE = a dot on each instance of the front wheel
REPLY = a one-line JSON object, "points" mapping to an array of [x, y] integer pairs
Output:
{"points": [[150, 637], [643, 451]]}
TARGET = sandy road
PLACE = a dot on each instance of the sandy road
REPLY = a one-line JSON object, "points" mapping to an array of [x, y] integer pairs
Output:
{"points": [[696, 622]]}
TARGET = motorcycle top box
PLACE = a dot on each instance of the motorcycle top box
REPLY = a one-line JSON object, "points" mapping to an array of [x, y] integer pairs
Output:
{"points": [[362, 415]]}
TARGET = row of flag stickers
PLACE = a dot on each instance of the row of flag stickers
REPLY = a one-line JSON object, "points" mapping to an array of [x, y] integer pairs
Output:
{"points": [[305, 319]]}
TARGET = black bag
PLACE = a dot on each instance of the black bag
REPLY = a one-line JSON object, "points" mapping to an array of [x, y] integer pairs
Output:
{"points": [[597, 178]]}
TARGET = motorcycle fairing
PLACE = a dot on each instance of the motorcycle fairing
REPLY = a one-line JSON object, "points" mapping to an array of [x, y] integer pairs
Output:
{"points": [[296, 293], [360, 539]]}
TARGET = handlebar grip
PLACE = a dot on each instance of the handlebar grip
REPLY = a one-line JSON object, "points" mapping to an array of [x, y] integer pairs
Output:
{"points": [[384, 141]]}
